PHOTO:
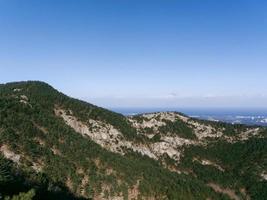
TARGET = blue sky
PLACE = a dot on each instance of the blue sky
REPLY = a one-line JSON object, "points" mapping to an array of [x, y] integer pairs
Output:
{"points": [[140, 53]]}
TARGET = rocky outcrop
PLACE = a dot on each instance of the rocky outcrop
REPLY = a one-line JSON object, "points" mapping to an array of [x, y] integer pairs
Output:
{"points": [[10, 154], [113, 140], [208, 162], [203, 131], [264, 176], [230, 193]]}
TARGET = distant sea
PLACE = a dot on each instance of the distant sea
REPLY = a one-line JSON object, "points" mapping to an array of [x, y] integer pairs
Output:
{"points": [[249, 116]]}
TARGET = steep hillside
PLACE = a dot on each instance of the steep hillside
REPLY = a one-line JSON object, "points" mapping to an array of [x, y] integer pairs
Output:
{"points": [[57, 147]]}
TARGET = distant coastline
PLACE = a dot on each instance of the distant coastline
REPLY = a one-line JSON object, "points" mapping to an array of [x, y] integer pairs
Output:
{"points": [[249, 116]]}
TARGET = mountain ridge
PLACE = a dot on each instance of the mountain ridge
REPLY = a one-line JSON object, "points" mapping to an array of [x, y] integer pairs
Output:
{"points": [[150, 156]]}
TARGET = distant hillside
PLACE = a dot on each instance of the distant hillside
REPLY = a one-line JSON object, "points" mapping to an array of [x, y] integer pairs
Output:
{"points": [[56, 147]]}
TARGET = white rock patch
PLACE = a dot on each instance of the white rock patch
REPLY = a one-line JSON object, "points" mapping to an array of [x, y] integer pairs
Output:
{"points": [[208, 162], [24, 99], [113, 140], [264, 176], [10, 154], [17, 90], [249, 133], [203, 131]]}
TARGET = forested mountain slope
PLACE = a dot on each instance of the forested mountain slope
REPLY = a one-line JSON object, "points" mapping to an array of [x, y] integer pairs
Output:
{"points": [[56, 147]]}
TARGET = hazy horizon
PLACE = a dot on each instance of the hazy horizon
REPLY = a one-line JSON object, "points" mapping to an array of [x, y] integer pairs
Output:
{"points": [[140, 53]]}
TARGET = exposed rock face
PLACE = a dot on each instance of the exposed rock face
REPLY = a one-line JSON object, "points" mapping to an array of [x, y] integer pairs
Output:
{"points": [[10, 154], [155, 120], [249, 133], [208, 162], [37, 166], [230, 193], [17, 90], [24, 97], [103, 134], [264, 176], [24, 100], [180, 144], [16, 158], [203, 131], [113, 140]]}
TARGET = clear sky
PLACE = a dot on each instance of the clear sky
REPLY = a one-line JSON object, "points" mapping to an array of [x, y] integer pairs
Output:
{"points": [[140, 53]]}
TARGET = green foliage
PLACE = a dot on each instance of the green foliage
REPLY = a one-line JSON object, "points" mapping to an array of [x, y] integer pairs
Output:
{"points": [[33, 131], [22, 196], [4, 171], [156, 138], [243, 162], [23, 126], [228, 129], [178, 127]]}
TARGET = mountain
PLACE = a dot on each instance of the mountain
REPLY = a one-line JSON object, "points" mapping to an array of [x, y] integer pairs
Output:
{"points": [[56, 147]]}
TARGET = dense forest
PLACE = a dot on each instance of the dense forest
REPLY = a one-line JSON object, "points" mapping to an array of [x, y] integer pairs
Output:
{"points": [[43, 158]]}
